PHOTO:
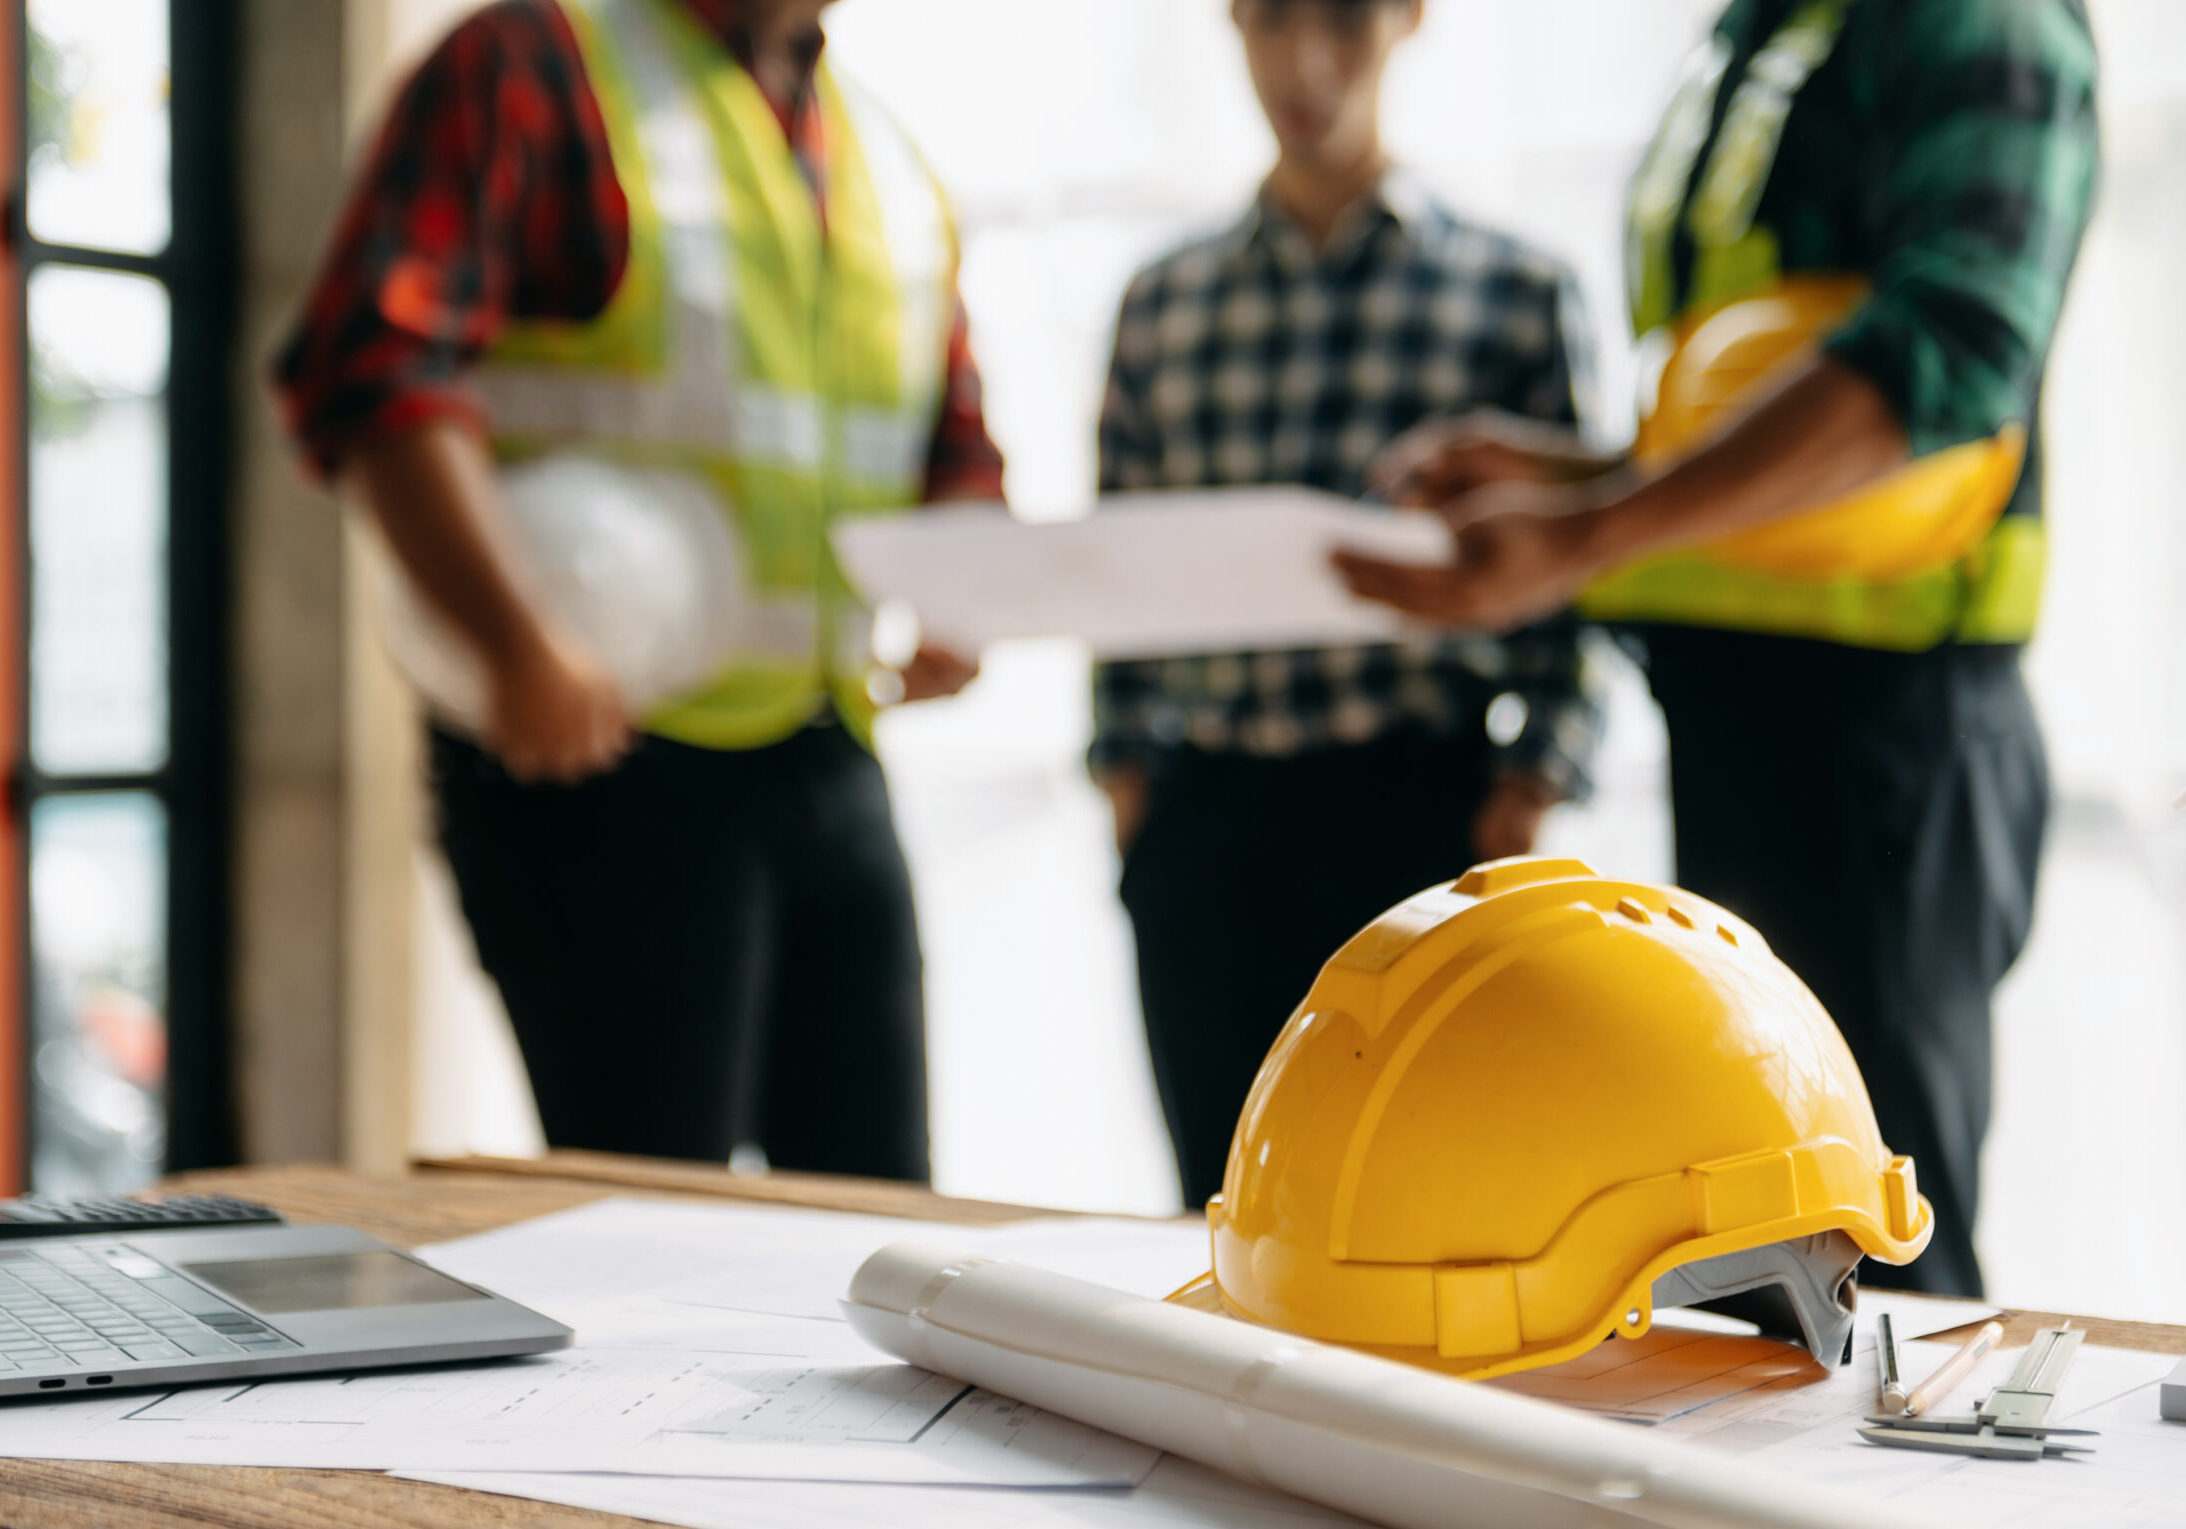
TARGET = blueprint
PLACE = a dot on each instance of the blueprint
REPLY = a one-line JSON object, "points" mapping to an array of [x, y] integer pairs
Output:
{"points": [[771, 1384], [688, 1413], [711, 1346], [2136, 1476], [1176, 1495]]}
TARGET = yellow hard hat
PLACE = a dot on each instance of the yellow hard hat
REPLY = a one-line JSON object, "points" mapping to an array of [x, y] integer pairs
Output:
{"points": [[1924, 516], [1518, 1111]]}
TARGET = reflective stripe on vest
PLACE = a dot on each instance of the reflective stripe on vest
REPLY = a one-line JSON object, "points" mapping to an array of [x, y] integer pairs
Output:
{"points": [[1994, 594], [649, 372], [799, 372]]}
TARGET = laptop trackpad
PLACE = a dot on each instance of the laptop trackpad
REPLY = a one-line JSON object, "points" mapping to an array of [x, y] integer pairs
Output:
{"points": [[329, 1282]]}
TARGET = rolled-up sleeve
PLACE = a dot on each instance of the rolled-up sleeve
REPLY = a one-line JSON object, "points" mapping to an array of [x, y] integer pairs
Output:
{"points": [[491, 160], [1985, 158], [962, 461]]}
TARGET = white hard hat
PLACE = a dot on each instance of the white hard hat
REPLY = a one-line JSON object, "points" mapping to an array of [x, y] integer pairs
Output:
{"points": [[638, 565]]}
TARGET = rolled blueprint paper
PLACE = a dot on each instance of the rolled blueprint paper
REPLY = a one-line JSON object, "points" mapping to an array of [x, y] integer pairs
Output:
{"points": [[1366, 1436]]}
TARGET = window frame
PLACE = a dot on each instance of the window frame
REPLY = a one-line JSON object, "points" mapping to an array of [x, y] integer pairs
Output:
{"points": [[197, 269]]}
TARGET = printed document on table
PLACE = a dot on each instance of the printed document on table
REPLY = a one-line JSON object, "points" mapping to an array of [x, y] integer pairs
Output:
{"points": [[710, 1343], [599, 1409], [1146, 575], [602, 1265], [1920, 1316], [634, 1263], [1149, 1258], [2136, 1479], [1176, 1495], [2136, 1476], [653, 1384]]}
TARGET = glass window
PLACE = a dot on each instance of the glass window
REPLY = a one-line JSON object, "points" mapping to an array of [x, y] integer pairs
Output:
{"points": [[98, 915], [99, 139], [98, 521]]}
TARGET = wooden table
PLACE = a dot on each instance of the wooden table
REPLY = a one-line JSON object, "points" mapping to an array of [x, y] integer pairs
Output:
{"points": [[444, 1199]]}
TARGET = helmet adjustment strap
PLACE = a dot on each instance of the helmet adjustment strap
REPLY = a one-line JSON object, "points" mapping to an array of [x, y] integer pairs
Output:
{"points": [[1814, 1275]]}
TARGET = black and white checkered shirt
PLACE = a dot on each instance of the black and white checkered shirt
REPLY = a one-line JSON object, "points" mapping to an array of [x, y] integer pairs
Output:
{"points": [[1253, 357]]}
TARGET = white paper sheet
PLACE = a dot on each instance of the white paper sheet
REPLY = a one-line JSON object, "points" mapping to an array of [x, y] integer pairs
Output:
{"points": [[1176, 1495], [1144, 1257], [1146, 575], [2136, 1479], [1920, 1316], [652, 1385], [2137, 1474], [1388, 1442], [599, 1409], [694, 1303], [613, 1271]]}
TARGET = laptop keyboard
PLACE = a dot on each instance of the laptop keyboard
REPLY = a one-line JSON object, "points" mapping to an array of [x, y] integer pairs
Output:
{"points": [[94, 1308]]}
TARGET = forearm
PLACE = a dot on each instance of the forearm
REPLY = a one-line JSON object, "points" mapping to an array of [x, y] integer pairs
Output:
{"points": [[431, 491], [1824, 432], [1558, 452], [1576, 463]]}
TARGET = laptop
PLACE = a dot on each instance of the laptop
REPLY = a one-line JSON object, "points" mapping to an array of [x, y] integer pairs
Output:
{"points": [[170, 1308]]}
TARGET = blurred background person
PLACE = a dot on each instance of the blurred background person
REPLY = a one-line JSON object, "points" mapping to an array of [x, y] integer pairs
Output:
{"points": [[661, 233], [1268, 805], [1855, 764]]}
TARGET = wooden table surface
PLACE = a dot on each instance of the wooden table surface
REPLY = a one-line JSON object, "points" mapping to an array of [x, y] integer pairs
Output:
{"points": [[453, 1198]]}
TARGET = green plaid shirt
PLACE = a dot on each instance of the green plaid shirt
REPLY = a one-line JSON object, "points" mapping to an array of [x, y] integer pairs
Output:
{"points": [[1944, 149]]}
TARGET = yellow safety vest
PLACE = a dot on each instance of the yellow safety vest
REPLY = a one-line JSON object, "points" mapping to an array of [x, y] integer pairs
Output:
{"points": [[1918, 558], [799, 371]]}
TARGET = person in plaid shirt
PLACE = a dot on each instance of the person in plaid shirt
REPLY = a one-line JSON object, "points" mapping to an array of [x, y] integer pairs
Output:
{"points": [[1270, 804], [667, 919], [1855, 766]]}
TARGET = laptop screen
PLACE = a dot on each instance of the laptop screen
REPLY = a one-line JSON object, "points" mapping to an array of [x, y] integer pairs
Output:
{"points": [[330, 1282]]}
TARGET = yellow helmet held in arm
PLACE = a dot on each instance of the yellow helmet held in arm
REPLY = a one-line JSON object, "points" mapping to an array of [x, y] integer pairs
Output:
{"points": [[1926, 515], [1518, 1112]]}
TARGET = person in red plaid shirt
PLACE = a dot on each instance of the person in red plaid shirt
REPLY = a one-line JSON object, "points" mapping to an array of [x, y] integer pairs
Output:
{"points": [[701, 922]]}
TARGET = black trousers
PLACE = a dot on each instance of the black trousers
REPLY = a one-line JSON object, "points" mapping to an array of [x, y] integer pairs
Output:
{"points": [[1247, 875], [703, 948], [1879, 818]]}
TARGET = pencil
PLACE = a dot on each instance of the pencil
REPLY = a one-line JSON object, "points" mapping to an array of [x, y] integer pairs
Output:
{"points": [[1954, 1369]]}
